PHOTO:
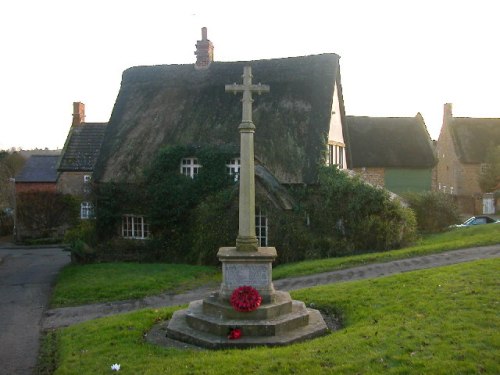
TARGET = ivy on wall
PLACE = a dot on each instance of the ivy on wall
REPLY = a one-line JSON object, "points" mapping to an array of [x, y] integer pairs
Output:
{"points": [[190, 218]]}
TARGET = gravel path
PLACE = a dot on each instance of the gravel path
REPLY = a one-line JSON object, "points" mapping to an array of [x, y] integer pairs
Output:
{"points": [[62, 317]]}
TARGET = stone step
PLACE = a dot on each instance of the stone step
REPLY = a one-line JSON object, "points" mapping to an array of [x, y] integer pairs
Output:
{"points": [[298, 317], [178, 329], [281, 305]]}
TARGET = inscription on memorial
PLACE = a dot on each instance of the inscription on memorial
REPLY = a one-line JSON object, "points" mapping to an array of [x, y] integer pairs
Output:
{"points": [[247, 274]]}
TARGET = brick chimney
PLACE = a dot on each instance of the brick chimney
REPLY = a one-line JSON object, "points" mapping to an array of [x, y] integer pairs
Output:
{"points": [[78, 113], [204, 51]]}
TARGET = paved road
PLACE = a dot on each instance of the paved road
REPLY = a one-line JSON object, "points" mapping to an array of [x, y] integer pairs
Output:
{"points": [[70, 315], [26, 276]]}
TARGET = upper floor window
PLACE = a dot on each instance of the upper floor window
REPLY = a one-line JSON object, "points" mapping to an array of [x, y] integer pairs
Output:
{"points": [[336, 155], [135, 227], [86, 210], [261, 231], [86, 183], [190, 167], [233, 168]]}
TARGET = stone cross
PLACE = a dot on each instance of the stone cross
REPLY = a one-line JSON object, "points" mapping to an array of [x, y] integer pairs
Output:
{"points": [[247, 240]]}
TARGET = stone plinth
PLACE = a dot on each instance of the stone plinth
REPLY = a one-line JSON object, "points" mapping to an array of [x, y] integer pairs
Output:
{"points": [[278, 321], [252, 268], [208, 322]]}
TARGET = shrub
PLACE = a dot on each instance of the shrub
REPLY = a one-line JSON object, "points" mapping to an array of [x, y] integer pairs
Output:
{"points": [[82, 240], [434, 211], [42, 213]]}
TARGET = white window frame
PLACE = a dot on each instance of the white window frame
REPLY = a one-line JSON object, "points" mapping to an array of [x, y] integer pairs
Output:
{"points": [[233, 168], [135, 227], [86, 210], [190, 167], [261, 227], [335, 155]]}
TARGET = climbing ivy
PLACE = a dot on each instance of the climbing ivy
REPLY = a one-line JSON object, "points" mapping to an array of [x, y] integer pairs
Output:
{"points": [[190, 218]]}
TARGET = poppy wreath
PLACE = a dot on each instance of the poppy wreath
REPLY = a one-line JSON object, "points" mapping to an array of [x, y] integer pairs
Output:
{"points": [[245, 299]]}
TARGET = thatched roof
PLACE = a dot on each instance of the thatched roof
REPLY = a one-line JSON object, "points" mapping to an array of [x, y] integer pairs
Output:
{"points": [[473, 137], [176, 104], [389, 142], [39, 168], [82, 147]]}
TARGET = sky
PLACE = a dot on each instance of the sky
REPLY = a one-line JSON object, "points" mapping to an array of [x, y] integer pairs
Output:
{"points": [[397, 57]]}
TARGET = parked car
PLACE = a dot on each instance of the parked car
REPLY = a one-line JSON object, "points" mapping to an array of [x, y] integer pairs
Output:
{"points": [[477, 220]]}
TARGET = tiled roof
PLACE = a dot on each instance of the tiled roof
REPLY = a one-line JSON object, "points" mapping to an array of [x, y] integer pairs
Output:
{"points": [[39, 168], [472, 137], [82, 147], [389, 142]]}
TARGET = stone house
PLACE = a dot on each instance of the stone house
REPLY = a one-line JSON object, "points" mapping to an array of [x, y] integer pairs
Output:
{"points": [[462, 148], [300, 124], [78, 158], [396, 153]]}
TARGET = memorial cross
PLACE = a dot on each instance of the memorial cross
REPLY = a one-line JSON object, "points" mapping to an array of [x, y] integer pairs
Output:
{"points": [[247, 240]]}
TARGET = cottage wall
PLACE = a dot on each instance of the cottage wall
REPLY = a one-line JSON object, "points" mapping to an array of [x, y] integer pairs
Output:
{"points": [[72, 183], [374, 176], [448, 164]]}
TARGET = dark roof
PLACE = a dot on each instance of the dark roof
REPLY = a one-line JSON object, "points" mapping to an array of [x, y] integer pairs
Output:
{"points": [[389, 142], [39, 168], [82, 147], [176, 104], [472, 137]]}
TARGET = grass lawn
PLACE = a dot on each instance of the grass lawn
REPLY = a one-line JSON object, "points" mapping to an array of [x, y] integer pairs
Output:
{"points": [[459, 238], [437, 321], [81, 284]]}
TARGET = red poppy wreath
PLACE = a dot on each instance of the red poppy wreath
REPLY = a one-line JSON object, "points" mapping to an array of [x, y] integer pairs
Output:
{"points": [[245, 299]]}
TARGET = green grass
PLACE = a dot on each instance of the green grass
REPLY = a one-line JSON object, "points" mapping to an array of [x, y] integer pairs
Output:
{"points": [[81, 284], [438, 321], [454, 239]]}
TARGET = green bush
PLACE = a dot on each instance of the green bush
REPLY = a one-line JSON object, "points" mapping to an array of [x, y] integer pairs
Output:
{"points": [[347, 209], [434, 211], [82, 241]]}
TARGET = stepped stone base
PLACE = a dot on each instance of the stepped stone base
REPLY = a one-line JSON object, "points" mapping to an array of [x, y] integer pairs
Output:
{"points": [[283, 321]]}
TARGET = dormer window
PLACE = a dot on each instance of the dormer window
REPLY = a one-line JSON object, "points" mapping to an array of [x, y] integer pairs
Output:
{"points": [[190, 167], [233, 168], [336, 155]]}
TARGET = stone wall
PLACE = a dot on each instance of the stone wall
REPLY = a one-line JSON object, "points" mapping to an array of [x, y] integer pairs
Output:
{"points": [[374, 176]]}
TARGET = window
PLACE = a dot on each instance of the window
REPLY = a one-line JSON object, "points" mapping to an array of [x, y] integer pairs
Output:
{"points": [[261, 227], [86, 210], [134, 227], [336, 155], [86, 184], [233, 168], [190, 167]]}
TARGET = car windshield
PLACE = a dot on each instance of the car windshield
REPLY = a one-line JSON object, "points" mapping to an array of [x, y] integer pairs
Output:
{"points": [[469, 220]]}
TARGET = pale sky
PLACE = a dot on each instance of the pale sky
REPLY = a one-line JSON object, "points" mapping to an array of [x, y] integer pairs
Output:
{"points": [[397, 57]]}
